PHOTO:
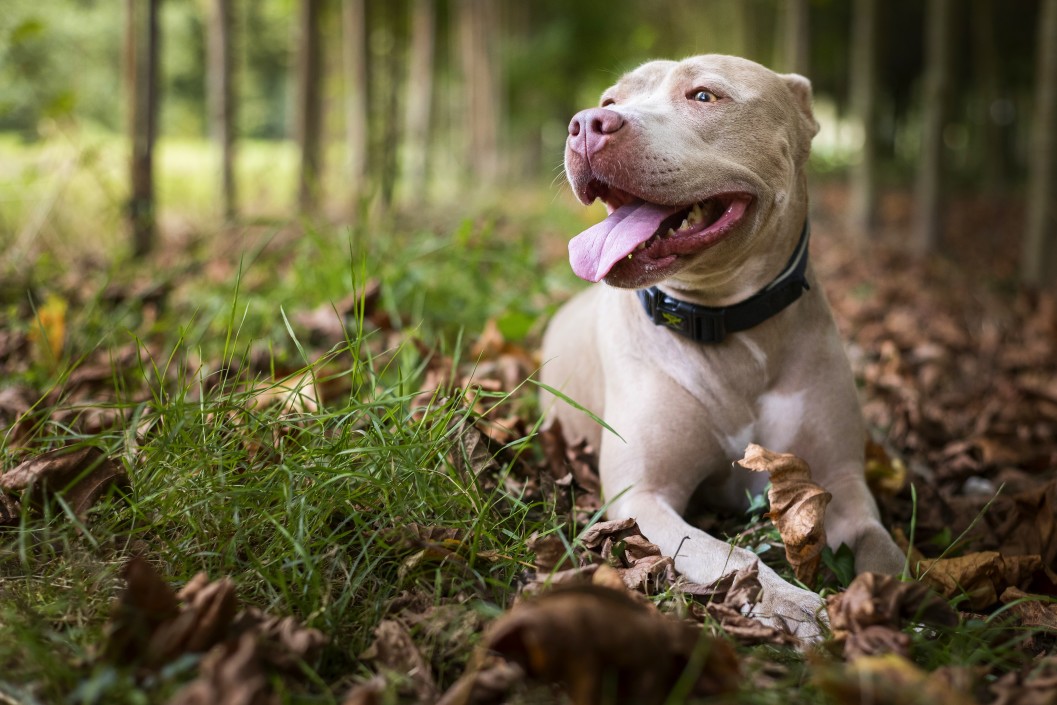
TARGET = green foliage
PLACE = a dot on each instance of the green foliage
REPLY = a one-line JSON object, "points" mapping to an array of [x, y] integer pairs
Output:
{"points": [[305, 515], [841, 563], [57, 62]]}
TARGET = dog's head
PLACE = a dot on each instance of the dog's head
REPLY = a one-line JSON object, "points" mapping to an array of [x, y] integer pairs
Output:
{"points": [[700, 165]]}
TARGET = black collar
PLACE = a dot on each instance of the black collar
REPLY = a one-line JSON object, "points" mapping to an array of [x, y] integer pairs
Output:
{"points": [[707, 324]]}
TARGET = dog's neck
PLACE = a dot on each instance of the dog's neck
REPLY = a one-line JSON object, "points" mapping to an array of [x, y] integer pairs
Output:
{"points": [[710, 324]]}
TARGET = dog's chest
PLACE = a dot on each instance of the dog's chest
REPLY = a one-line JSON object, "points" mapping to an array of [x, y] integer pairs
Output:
{"points": [[739, 397]]}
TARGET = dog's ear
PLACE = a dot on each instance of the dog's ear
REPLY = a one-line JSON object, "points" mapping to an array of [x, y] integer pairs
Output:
{"points": [[800, 87]]}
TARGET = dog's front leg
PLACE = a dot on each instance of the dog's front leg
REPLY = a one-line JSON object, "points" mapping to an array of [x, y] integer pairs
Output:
{"points": [[704, 559], [650, 478], [852, 519]]}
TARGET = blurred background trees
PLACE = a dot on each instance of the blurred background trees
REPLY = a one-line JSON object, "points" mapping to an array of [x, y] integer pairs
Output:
{"points": [[406, 103]]}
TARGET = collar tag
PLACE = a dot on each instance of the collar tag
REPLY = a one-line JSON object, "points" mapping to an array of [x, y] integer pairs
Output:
{"points": [[708, 324]]}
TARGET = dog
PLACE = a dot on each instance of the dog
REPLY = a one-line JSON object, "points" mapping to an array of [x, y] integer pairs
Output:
{"points": [[711, 331]]}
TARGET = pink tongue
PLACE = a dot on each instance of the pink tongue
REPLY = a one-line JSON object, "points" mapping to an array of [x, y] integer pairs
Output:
{"points": [[593, 252]]}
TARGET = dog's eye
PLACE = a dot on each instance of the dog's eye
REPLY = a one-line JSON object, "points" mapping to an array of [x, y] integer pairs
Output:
{"points": [[704, 96], [608, 101]]}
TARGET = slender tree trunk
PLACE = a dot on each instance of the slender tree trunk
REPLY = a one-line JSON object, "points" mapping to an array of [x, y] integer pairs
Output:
{"points": [[863, 197], [989, 79], [141, 47], [419, 99], [477, 30], [309, 105], [1038, 263], [929, 217], [354, 25], [797, 37], [389, 90], [222, 103]]}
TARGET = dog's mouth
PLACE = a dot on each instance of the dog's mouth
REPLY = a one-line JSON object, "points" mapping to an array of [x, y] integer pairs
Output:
{"points": [[654, 234]]}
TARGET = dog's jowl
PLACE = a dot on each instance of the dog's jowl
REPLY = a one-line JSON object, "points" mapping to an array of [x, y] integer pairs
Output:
{"points": [[709, 331]]}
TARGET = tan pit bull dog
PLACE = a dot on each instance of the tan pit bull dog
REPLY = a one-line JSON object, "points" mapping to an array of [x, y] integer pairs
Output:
{"points": [[711, 331]]}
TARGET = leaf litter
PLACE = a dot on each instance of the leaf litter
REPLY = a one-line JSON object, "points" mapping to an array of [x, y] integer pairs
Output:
{"points": [[151, 625], [961, 402]]}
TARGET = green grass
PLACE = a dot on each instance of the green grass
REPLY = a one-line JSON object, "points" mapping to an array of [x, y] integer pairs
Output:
{"points": [[303, 513], [307, 513]]}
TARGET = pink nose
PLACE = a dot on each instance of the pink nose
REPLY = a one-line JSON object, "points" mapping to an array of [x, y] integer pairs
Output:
{"points": [[593, 126]]}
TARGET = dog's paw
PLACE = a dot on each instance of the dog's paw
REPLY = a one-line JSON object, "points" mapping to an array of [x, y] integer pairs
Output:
{"points": [[800, 612], [876, 552]]}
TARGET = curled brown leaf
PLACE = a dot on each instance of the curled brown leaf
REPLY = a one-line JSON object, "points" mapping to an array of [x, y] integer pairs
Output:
{"points": [[1035, 611], [393, 649], [1036, 684], [798, 507], [867, 618], [891, 679], [231, 674], [81, 476], [591, 639], [146, 603], [978, 577], [10, 510]]}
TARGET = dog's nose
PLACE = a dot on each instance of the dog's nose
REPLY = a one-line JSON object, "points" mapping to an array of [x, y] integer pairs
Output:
{"points": [[595, 125]]}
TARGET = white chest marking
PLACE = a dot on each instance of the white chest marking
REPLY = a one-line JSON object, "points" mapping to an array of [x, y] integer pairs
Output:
{"points": [[781, 416]]}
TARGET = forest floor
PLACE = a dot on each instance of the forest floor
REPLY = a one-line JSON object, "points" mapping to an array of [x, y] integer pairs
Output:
{"points": [[297, 464]]}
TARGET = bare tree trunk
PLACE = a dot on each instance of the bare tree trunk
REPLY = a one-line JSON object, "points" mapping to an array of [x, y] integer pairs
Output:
{"points": [[929, 217], [989, 80], [1038, 263], [863, 197], [141, 46], [222, 105], [477, 29], [309, 105], [354, 25], [389, 97], [797, 37], [419, 99]]}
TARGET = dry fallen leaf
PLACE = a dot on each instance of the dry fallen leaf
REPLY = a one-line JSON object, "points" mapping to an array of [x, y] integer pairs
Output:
{"points": [[1035, 685], [725, 604], [231, 674], [48, 336], [293, 395], [369, 692], [868, 616], [638, 562], [740, 588], [551, 554], [798, 507], [146, 603], [889, 679], [562, 458], [329, 323], [487, 680], [393, 649], [81, 476], [980, 577], [593, 641], [10, 510], [1035, 611], [474, 455], [151, 626], [596, 534], [206, 613]]}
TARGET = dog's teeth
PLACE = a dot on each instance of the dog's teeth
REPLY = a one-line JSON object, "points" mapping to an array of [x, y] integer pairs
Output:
{"points": [[671, 231], [695, 215], [684, 225], [641, 246]]}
